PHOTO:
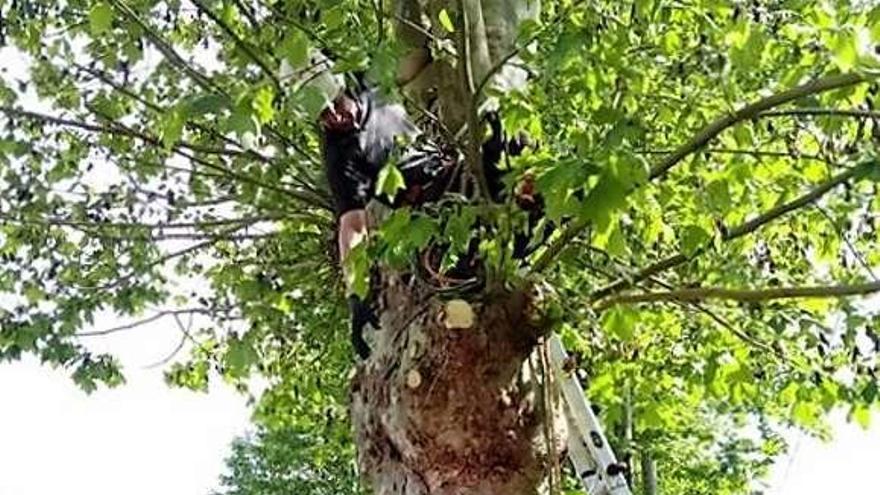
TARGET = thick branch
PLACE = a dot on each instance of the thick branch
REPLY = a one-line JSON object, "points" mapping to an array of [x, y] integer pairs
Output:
{"points": [[750, 111], [698, 141], [735, 232], [695, 305], [473, 120], [554, 248], [823, 112], [765, 218], [750, 152], [742, 295]]}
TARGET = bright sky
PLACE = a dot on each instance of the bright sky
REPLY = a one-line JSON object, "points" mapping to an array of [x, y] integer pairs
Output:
{"points": [[848, 464], [143, 438]]}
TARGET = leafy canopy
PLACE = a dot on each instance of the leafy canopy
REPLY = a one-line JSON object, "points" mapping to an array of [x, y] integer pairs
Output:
{"points": [[148, 145]]}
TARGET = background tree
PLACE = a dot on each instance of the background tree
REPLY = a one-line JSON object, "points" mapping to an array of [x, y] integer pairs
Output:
{"points": [[725, 150]]}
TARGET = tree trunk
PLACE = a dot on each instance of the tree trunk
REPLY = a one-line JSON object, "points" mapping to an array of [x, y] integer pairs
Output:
{"points": [[454, 411]]}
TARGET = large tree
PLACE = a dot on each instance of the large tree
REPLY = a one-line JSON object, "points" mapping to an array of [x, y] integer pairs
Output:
{"points": [[710, 168]]}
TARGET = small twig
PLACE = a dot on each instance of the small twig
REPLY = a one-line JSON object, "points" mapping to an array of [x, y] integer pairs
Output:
{"points": [[233, 152], [240, 43], [421, 30], [111, 128], [271, 6], [164, 48], [161, 261], [109, 81], [185, 335], [143, 321], [64, 222], [757, 344], [201, 80], [248, 13], [855, 252], [435, 120]]}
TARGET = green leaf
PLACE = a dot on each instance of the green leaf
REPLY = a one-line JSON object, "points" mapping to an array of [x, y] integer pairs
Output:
{"points": [[845, 49], [693, 239], [334, 17], [742, 133], [240, 356], [242, 120], [620, 322], [100, 18], [193, 375], [870, 170], [445, 21], [805, 413], [295, 48], [556, 184], [611, 240], [33, 293], [172, 128], [789, 393], [421, 230], [718, 195], [862, 415], [262, 105], [311, 100], [460, 228], [607, 197], [357, 271], [390, 180], [394, 228], [206, 104]]}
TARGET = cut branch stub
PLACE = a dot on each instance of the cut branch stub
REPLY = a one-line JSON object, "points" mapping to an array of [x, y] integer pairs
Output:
{"points": [[473, 421]]}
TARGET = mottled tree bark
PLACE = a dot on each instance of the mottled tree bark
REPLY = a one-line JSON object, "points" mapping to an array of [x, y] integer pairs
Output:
{"points": [[453, 411]]}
